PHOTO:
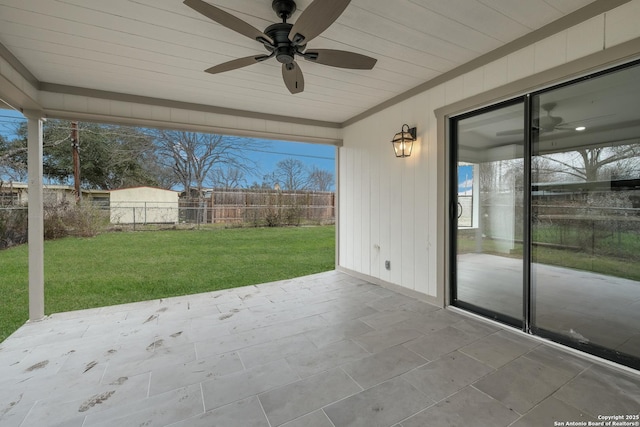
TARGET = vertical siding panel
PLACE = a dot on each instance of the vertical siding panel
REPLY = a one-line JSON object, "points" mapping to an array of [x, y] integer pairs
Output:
{"points": [[365, 241], [384, 125], [395, 168], [408, 259], [345, 207], [421, 196], [375, 259], [352, 206], [358, 211], [437, 100]]}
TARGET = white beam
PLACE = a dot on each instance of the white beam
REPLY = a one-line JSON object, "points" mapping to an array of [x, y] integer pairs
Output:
{"points": [[36, 215]]}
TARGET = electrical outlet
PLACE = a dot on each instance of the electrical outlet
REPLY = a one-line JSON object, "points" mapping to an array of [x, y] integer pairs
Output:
{"points": [[387, 265]]}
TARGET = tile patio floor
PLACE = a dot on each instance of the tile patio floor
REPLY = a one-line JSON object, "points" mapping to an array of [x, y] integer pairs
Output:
{"points": [[327, 350]]}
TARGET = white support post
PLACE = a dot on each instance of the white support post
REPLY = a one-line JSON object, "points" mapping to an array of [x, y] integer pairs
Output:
{"points": [[36, 215]]}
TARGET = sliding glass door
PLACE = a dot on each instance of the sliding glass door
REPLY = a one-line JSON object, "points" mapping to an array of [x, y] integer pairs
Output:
{"points": [[586, 215], [546, 213], [489, 177]]}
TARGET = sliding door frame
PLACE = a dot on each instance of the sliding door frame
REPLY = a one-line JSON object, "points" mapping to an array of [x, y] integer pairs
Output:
{"points": [[522, 323], [526, 323]]}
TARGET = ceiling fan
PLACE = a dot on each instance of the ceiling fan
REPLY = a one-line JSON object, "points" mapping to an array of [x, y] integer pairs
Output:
{"points": [[285, 41], [547, 123]]}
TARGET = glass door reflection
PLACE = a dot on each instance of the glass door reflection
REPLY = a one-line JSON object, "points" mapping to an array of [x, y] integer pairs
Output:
{"points": [[489, 234], [586, 215]]}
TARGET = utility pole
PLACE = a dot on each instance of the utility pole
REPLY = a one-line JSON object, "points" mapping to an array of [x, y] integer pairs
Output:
{"points": [[75, 151]]}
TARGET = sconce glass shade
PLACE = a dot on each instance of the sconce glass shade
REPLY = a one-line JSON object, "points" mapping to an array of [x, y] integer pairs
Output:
{"points": [[403, 141]]}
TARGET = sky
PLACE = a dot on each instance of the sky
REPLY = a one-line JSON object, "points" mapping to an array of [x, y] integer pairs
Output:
{"points": [[465, 180], [312, 155]]}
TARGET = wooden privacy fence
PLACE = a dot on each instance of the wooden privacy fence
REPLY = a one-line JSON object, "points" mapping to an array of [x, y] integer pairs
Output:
{"points": [[270, 207]]}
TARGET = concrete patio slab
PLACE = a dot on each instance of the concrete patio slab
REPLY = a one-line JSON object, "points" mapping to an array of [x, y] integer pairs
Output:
{"points": [[326, 350]]}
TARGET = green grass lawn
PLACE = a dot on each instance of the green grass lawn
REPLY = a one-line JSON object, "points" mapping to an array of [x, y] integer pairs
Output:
{"points": [[116, 268], [625, 267]]}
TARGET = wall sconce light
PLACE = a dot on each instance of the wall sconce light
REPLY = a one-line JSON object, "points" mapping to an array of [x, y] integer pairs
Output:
{"points": [[403, 141]]}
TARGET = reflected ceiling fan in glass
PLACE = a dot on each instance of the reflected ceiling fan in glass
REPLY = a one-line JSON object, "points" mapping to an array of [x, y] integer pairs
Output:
{"points": [[550, 123], [285, 41]]}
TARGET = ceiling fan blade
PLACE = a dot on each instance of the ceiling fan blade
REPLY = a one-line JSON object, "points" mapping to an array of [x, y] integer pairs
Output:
{"points": [[293, 78], [236, 63], [340, 58], [510, 132], [585, 121], [315, 19], [227, 20]]}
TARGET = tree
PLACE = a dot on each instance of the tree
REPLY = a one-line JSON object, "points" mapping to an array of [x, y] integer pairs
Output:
{"points": [[542, 170], [111, 156], [13, 162], [228, 177], [193, 156], [260, 186], [589, 164], [290, 174], [320, 179]]}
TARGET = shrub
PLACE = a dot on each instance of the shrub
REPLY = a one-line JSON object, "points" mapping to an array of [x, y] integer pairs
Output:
{"points": [[54, 227], [273, 217], [13, 227], [65, 219]]}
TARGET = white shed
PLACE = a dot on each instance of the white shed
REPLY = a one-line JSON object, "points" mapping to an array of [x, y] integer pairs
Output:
{"points": [[144, 205]]}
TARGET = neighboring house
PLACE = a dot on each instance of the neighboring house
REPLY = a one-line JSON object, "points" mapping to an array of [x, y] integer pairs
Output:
{"points": [[144, 205], [16, 193]]}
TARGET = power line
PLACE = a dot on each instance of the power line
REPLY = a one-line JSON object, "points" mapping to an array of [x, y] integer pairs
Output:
{"points": [[292, 154], [112, 133], [13, 117]]}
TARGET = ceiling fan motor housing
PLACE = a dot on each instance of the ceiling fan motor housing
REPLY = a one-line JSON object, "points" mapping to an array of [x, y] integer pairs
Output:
{"points": [[284, 49]]}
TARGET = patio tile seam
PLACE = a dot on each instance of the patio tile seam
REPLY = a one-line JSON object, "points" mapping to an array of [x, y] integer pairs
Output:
{"points": [[492, 371], [427, 398], [537, 405], [369, 388], [351, 378], [585, 369], [262, 409], [404, 345], [461, 350], [201, 383], [149, 385], [499, 402], [275, 324], [204, 406], [244, 367], [33, 405], [361, 346], [567, 384], [389, 379], [399, 423]]}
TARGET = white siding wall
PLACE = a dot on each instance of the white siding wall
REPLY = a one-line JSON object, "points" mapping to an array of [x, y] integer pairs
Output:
{"points": [[388, 209], [144, 205]]}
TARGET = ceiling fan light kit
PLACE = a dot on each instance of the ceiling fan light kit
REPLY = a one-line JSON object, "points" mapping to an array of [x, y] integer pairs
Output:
{"points": [[284, 41]]}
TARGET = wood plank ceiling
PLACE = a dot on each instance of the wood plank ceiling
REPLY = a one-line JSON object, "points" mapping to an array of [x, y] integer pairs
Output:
{"points": [[159, 48]]}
